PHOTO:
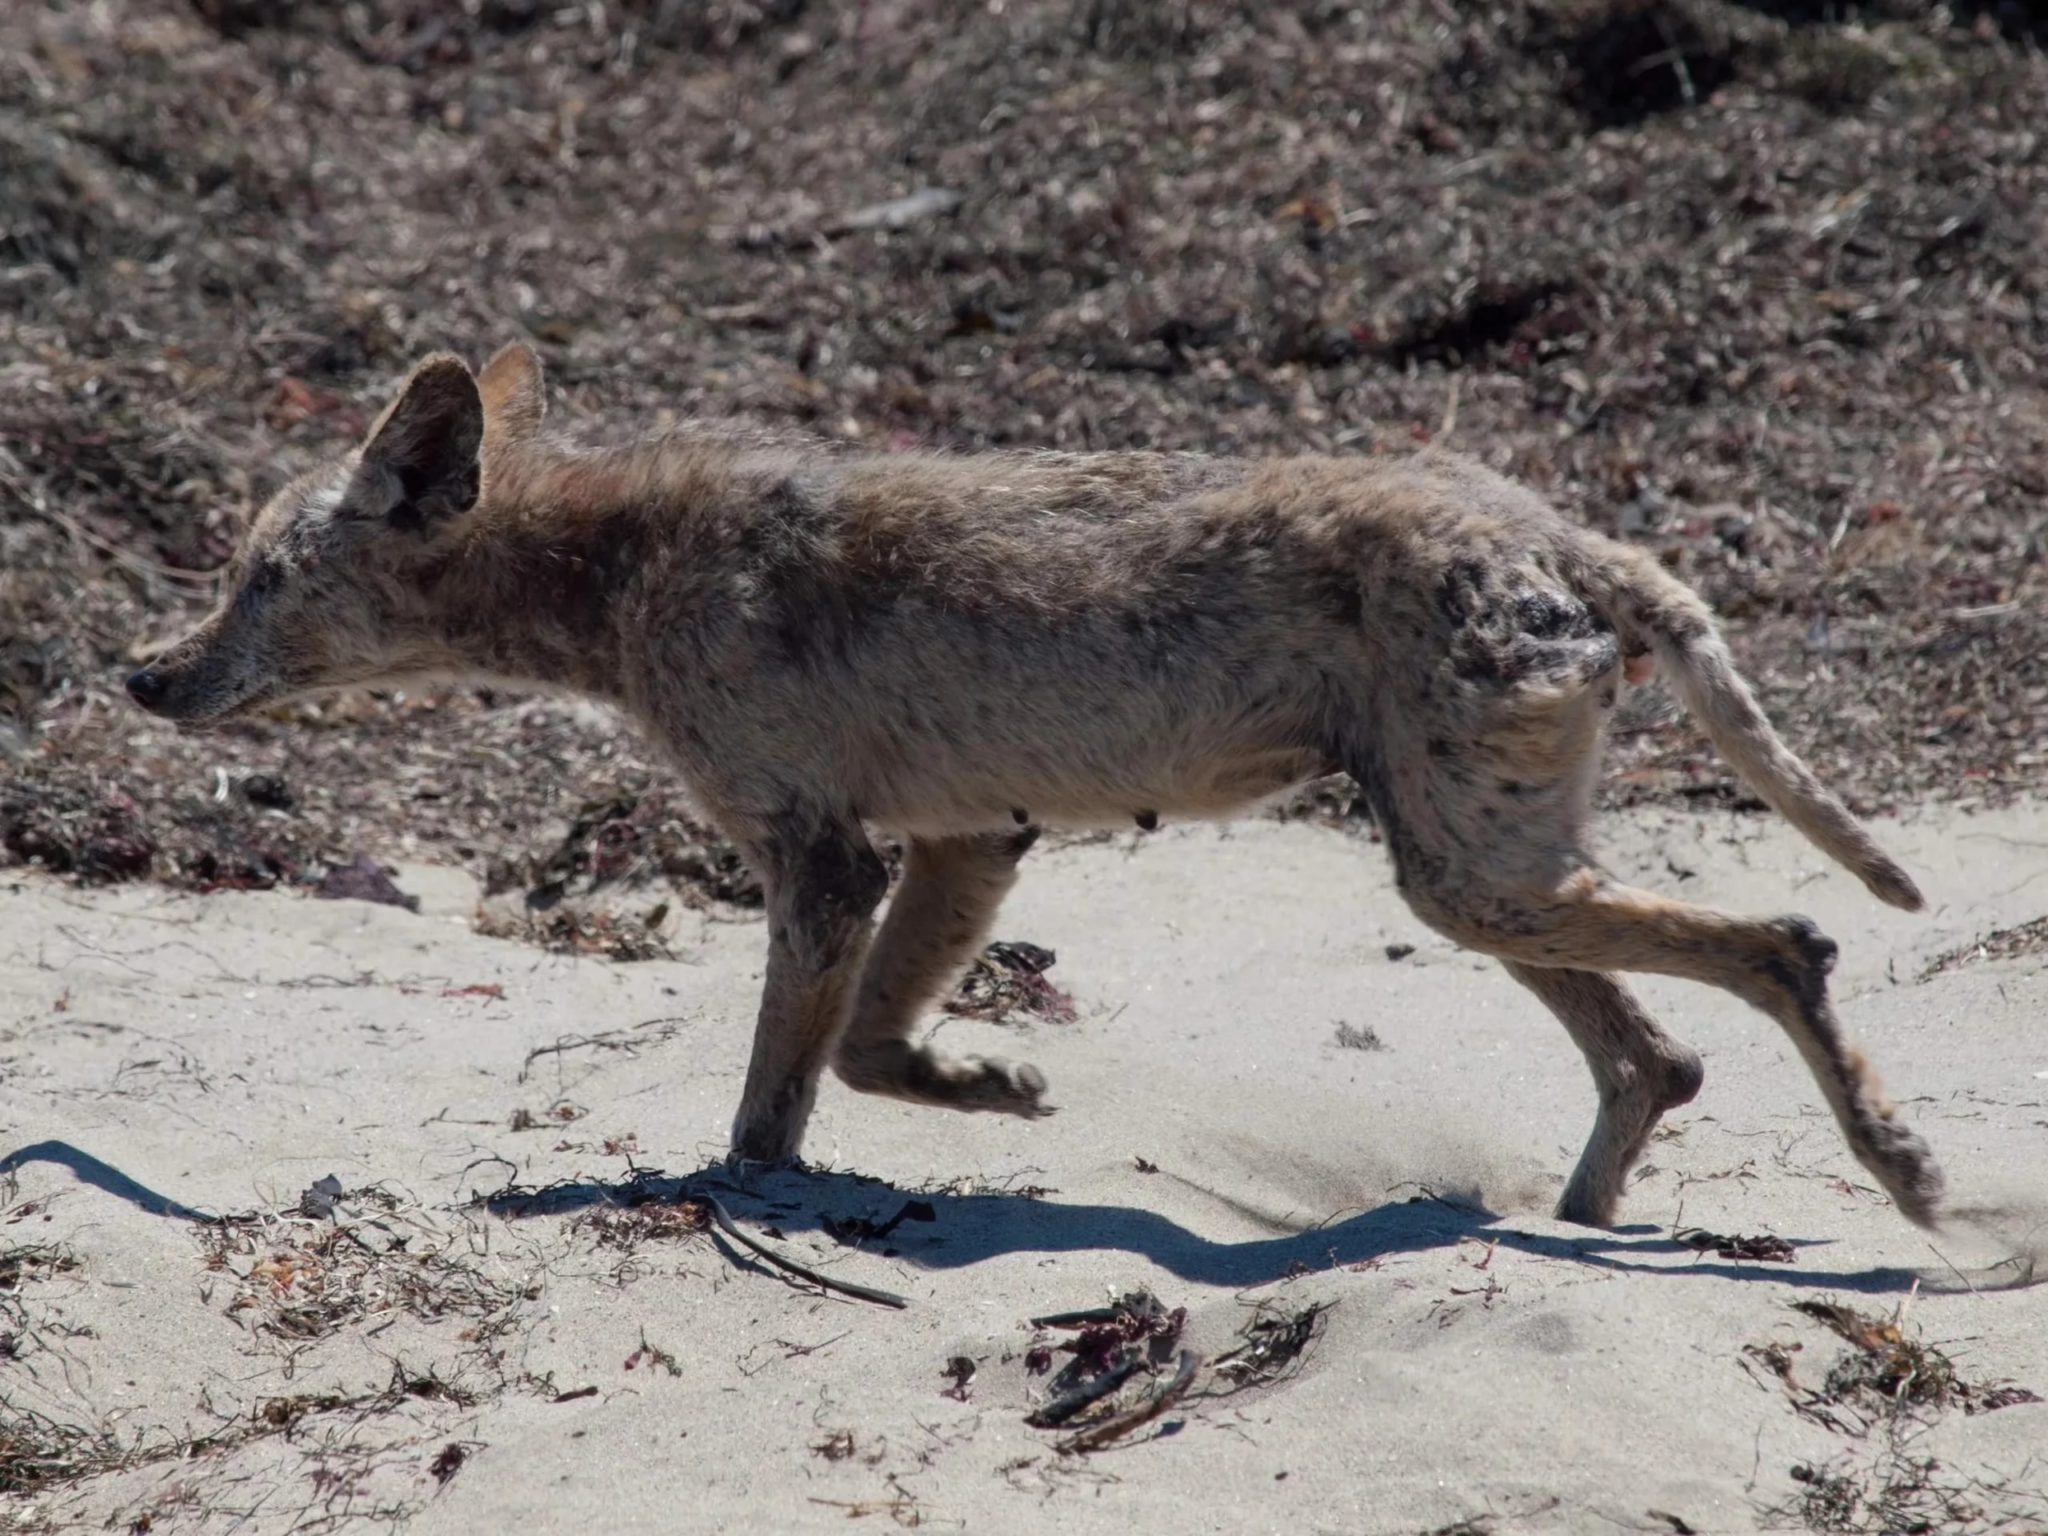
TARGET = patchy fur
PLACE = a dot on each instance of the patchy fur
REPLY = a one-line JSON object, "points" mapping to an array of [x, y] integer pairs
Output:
{"points": [[953, 647]]}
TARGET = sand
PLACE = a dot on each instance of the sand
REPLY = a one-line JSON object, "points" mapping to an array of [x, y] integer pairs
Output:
{"points": [[168, 1058]]}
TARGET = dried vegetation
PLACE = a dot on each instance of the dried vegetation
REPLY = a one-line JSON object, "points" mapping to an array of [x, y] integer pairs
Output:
{"points": [[1754, 284], [337, 1267], [1880, 1395], [1009, 978], [305, 1274]]}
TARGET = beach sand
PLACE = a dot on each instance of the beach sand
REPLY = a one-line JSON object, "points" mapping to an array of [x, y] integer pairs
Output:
{"points": [[451, 1351]]}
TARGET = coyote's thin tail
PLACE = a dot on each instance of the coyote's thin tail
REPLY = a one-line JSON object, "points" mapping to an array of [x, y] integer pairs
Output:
{"points": [[1650, 607]]}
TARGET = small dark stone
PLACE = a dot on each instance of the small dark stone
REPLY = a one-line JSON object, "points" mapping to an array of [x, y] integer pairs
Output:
{"points": [[1148, 821], [269, 791]]}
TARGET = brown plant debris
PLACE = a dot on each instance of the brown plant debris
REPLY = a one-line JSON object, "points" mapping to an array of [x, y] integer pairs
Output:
{"points": [[733, 1233], [627, 1228], [650, 1186], [1102, 1334], [901, 1508], [1898, 1492], [629, 1040], [1109, 1345], [1009, 978], [21, 1263], [581, 931], [628, 840], [1888, 1378], [1999, 944], [959, 1372], [1889, 1368], [1359, 1037], [296, 1276], [38, 1453], [854, 1230], [1275, 1340], [1638, 245], [1100, 1433], [1764, 1248], [1084, 1391], [553, 1117], [653, 1357], [837, 1446]]}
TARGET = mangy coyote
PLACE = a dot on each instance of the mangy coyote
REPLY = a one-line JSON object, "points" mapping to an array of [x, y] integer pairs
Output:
{"points": [[959, 650]]}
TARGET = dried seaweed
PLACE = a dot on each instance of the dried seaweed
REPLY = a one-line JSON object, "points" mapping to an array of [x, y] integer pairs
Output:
{"points": [[363, 879], [1274, 1341], [1109, 1346], [338, 1257], [37, 1451], [1112, 1427], [578, 931], [1359, 1037], [628, 1227], [1009, 978], [1900, 1491], [694, 1203], [1999, 944], [1633, 252], [1762, 1247], [1893, 1372], [1889, 1384]]}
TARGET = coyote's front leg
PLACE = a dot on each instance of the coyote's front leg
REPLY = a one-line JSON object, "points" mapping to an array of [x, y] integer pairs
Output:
{"points": [[937, 920], [823, 883]]}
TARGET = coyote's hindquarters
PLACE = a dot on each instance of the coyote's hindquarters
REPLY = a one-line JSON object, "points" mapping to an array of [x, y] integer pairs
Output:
{"points": [[1486, 829]]}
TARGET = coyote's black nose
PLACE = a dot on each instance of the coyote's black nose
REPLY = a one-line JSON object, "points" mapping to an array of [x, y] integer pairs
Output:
{"points": [[146, 688]]}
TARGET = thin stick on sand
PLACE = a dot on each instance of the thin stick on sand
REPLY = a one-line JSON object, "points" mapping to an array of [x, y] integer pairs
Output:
{"points": [[1116, 1426], [1063, 1408], [730, 1229]]}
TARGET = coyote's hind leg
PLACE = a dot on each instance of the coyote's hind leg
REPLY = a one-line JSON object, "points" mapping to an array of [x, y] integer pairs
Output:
{"points": [[1639, 1070], [1777, 965]]}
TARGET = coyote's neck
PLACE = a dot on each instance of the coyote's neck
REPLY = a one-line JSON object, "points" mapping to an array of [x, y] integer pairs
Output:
{"points": [[548, 583]]}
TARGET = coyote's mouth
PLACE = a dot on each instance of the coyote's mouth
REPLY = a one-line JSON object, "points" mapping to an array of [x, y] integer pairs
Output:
{"points": [[163, 697]]}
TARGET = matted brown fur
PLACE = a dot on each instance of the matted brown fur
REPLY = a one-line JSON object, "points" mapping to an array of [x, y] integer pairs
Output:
{"points": [[961, 649]]}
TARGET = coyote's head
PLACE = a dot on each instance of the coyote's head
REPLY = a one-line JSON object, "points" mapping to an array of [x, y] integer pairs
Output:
{"points": [[328, 587]]}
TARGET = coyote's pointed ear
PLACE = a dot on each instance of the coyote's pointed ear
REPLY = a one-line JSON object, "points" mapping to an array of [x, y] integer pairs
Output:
{"points": [[515, 397], [420, 464]]}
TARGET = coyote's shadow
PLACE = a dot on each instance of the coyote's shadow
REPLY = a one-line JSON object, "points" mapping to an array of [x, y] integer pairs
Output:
{"points": [[948, 1228]]}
